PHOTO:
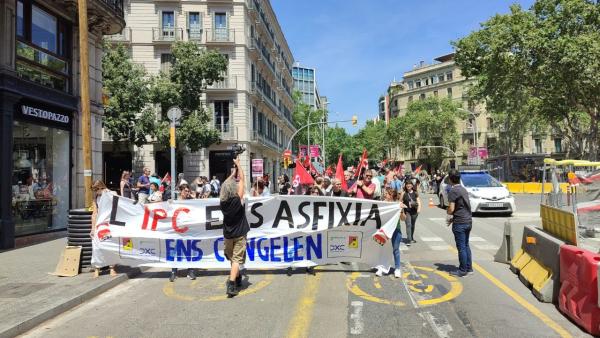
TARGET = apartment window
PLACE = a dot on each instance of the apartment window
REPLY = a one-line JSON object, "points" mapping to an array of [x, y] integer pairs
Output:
{"points": [[422, 97], [558, 145], [427, 82], [435, 93], [410, 99], [449, 76], [220, 27], [434, 80], [168, 24], [411, 85], [254, 119], [538, 145], [441, 77], [418, 83], [222, 116], [490, 123], [42, 46], [449, 92], [166, 62], [194, 25]]}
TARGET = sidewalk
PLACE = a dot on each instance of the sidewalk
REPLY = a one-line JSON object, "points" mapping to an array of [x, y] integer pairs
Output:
{"points": [[30, 296]]}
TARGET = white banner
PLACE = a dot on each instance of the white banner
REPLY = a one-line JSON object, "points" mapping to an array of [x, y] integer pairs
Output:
{"points": [[296, 231]]}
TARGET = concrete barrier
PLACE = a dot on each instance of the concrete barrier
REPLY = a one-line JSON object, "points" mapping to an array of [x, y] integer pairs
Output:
{"points": [[538, 263], [532, 187], [511, 243]]}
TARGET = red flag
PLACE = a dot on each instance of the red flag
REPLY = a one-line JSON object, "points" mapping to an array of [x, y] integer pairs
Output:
{"points": [[418, 170], [166, 178], [301, 176], [339, 173], [363, 163]]}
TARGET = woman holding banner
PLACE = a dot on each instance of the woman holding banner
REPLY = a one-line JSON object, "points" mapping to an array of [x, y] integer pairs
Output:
{"points": [[98, 188], [184, 194]]}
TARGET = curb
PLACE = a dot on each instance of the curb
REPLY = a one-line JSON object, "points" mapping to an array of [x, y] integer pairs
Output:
{"points": [[31, 323]]}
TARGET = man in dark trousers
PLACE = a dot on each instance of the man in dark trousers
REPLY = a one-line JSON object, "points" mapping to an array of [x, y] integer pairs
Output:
{"points": [[459, 215], [235, 225]]}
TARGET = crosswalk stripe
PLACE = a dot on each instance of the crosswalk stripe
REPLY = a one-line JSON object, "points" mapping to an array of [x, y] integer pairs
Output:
{"points": [[432, 239], [439, 247], [476, 239], [486, 246]]}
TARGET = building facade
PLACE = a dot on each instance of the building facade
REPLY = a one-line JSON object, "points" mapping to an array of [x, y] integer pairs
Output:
{"points": [[252, 106], [41, 147], [305, 81], [444, 79]]}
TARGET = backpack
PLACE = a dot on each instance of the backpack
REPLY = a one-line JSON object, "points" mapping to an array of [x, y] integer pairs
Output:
{"points": [[214, 192]]}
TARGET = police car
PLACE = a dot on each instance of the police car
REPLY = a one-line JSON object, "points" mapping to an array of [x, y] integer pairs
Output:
{"points": [[486, 194]]}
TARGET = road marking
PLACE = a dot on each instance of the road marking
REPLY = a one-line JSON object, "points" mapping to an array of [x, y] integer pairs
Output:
{"points": [[300, 322], [169, 290], [437, 219], [376, 283], [476, 239], [356, 316], [439, 247], [486, 246], [524, 303], [432, 239]]}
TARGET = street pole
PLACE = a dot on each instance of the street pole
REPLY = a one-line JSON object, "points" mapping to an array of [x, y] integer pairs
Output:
{"points": [[174, 114], [323, 150], [308, 132], [86, 118]]}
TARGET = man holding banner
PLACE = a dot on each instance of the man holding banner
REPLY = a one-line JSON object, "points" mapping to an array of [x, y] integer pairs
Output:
{"points": [[235, 225]]}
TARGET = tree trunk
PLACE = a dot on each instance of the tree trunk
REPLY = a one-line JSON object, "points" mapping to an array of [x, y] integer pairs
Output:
{"points": [[593, 138]]}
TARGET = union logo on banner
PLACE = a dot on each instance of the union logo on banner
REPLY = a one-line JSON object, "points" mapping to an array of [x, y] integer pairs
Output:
{"points": [[353, 242], [127, 243]]}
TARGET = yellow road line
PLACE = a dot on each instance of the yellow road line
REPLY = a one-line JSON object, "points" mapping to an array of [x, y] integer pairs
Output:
{"points": [[524, 303], [300, 322]]}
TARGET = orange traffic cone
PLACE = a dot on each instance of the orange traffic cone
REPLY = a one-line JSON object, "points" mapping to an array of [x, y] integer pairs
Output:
{"points": [[431, 205]]}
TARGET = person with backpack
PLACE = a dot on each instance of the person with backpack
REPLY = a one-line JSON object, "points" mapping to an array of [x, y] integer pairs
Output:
{"points": [[460, 217], [215, 187]]}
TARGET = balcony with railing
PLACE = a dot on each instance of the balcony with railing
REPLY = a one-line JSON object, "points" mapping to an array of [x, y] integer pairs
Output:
{"points": [[228, 83], [220, 35], [108, 12], [195, 33], [228, 133], [264, 140], [123, 37], [167, 34]]}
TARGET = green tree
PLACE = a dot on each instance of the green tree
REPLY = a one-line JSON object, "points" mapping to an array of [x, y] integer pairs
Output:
{"points": [[429, 122], [127, 116], [300, 116], [338, 141], [540, 65], [193, 69], [373, 137]]}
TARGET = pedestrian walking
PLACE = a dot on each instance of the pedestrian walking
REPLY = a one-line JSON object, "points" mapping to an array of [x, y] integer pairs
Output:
{"points": [[184, 194], [410, 198], [336, 189], [99, 188], [284, 185], [390, 195], [364, 187], [125, 186], [143, 185], [460, 217], [155, 194], [235, 225]]}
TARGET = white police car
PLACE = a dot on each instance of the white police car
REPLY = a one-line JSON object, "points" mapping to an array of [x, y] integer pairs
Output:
{"points": [[486, 194]]}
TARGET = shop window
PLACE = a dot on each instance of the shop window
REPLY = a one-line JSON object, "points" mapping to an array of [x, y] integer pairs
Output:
{"points": [[40, 178]]}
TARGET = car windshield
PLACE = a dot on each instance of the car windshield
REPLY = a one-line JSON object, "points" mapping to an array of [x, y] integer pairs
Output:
{"points": [[479, 181]]}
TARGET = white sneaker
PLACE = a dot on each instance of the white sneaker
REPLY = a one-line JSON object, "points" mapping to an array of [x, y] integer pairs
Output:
{"points": [[379, 272], [397, 273]]}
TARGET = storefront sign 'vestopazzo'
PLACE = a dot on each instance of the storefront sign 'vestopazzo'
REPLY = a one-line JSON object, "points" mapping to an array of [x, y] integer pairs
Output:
{"points": [[296, 231], [44, 114]]}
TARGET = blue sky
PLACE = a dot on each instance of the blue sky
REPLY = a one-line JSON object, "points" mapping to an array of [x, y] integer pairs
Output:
{"points": [[359, 46]]}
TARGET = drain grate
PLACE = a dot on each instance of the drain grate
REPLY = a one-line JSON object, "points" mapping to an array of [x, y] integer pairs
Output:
{"points": [[17, 290]]}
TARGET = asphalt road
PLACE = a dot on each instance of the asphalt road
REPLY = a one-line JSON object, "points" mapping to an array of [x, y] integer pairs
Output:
{"points": [[339, 300]]}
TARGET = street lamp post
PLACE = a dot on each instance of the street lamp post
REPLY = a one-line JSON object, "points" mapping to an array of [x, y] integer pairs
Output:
{"points": [[474, 129], [174, 114], [312, 124]]}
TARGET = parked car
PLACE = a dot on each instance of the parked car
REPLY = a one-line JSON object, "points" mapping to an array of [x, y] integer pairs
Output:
{"points": [[486, 194]]}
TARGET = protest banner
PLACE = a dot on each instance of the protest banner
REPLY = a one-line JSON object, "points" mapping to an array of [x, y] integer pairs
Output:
{"points": [[286, 231]]}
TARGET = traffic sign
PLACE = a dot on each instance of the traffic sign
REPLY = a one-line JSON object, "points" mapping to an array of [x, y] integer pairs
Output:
{"points": [[174, 113]]}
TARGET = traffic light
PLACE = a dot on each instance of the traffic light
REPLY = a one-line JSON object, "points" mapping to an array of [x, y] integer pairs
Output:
{"points": [[354, 120]]}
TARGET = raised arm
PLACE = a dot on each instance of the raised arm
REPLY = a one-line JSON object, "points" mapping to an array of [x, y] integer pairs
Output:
{"points": [[240, 174]]}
